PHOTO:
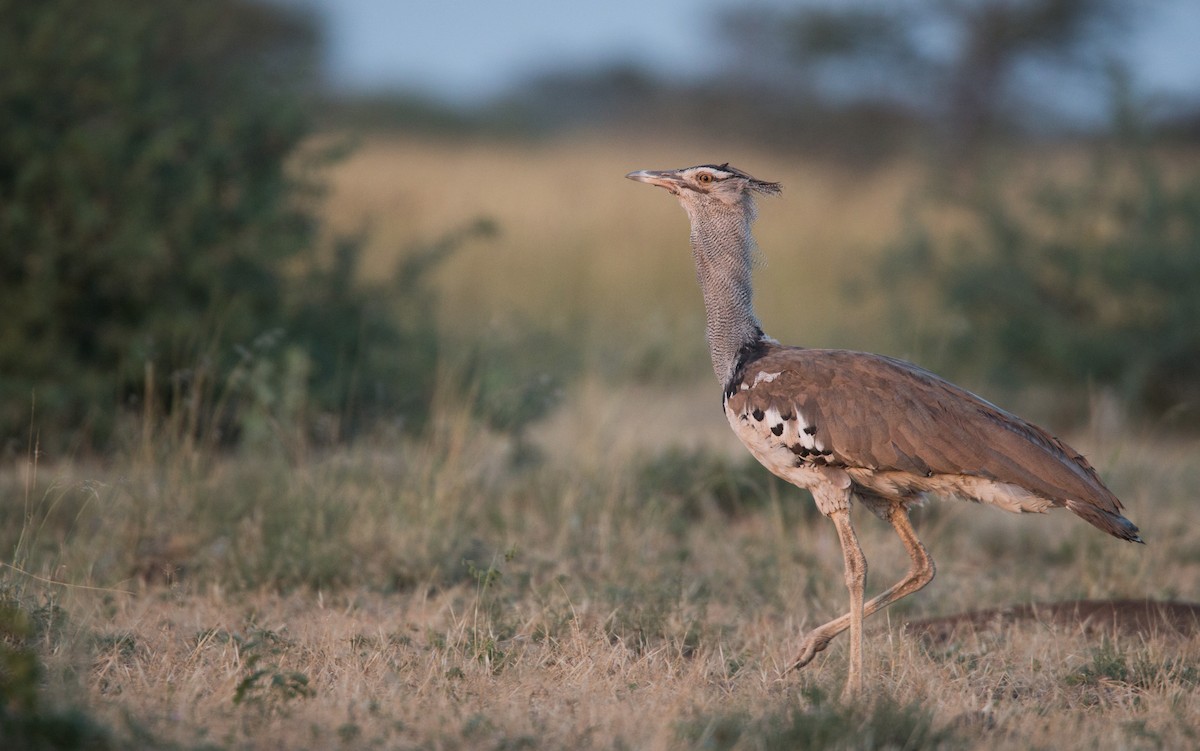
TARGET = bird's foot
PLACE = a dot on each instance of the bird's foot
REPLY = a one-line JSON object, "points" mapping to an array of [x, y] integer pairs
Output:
{"points": [[813, 643]]}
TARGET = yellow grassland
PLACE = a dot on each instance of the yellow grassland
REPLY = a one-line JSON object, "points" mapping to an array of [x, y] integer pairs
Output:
{"points": [[579, 240]]}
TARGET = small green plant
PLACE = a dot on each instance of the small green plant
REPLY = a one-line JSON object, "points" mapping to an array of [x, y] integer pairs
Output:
{"points": [[486, 579], [488, 625], [265, 684], [1107, 664], [1110, 678], [518, 373], [349, 732]]}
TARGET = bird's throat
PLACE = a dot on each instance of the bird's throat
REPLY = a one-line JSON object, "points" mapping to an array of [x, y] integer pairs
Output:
{"points": [[722, 248]]}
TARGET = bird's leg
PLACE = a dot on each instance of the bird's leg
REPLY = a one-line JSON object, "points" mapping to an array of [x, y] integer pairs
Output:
{"points": [[918, 576], [856, 573], [922, 570], [856, 579]]}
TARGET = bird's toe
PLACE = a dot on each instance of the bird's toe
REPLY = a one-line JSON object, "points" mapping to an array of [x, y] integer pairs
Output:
{"points": [[813, 643]]}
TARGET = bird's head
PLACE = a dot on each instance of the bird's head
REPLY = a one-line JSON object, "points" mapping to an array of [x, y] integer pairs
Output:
{"points": [[708, 185]]}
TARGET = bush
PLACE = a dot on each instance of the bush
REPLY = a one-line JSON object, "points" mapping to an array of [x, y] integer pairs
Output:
{"points": [[159, 249], [146, 207], [1085, 282]]}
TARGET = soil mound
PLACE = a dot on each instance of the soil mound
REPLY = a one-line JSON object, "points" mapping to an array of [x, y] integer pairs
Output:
{"points": [[1129, 617]]}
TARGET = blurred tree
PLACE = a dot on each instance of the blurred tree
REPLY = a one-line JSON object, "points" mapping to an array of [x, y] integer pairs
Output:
{"points": [[158, 239], [145, 204], [966, 65], [1001, 39]]}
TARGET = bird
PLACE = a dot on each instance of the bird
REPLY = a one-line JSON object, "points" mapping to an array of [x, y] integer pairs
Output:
{"points": [[860, 428]]}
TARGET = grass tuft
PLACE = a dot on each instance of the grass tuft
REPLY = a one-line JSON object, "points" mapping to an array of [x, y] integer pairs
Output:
{"points": [[822, 725]]}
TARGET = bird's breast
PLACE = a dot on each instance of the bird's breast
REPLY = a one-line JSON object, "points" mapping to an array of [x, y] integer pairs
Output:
{"points": [[780, 437]]}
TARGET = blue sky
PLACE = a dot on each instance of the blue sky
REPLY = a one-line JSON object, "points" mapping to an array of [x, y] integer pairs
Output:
{"points": [[466, 51]]}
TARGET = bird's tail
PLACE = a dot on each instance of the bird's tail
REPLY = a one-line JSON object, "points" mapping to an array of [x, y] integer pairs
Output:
{"points": [[1112, 523]]}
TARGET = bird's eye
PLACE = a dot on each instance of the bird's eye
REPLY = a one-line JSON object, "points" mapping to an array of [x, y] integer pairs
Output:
{"points": [[704, 177]]}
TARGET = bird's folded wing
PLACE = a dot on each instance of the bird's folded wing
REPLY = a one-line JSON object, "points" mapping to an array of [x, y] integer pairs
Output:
{"points": [[884, 414]]}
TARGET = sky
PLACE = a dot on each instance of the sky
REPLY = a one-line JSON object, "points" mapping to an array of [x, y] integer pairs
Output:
{"points": [[469, 51]]}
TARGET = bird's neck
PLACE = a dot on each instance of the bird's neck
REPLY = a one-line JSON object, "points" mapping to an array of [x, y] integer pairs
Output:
{"points": [[722, 247]]}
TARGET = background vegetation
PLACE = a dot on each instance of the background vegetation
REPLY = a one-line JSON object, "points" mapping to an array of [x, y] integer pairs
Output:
{"points": [[308, 441], [162, 252], [1080, 279]]}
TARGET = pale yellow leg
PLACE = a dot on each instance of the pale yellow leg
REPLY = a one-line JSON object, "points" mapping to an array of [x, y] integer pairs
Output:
{"points": [[856, 581], [919, 575]]}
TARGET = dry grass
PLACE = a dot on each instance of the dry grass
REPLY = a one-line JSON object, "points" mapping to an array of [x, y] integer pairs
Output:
{"points": [[463, 603], [642, 586]]}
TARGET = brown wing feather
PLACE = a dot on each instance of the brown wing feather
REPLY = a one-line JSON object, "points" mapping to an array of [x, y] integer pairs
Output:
{"points": [[884, 414]]}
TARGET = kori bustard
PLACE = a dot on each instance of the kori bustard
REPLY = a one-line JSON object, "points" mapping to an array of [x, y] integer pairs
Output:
{"points": [[851, 426]]}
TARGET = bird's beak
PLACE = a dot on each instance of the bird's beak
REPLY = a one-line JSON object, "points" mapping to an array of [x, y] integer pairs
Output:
{"points": [[668, 179]]}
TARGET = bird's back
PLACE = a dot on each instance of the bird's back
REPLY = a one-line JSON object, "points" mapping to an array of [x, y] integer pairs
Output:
{"points": [[899, 430]]}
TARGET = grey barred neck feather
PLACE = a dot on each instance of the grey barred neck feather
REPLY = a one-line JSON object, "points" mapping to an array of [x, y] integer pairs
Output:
{"points": [[722, 249], [719, 200], [852, 426]]}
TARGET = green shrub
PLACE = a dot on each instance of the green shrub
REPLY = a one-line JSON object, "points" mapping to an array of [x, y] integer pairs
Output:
{"points": [[1079, 282], [159, 250], [145, 204]]}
